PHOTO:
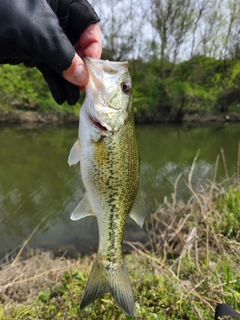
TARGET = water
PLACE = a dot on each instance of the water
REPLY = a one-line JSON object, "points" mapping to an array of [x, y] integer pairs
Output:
{"points": [[36, 182]]}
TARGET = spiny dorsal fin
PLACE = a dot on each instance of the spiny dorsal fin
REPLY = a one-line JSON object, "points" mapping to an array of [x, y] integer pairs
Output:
{"points": [[74, 154], [82, 210], [137, 212]]}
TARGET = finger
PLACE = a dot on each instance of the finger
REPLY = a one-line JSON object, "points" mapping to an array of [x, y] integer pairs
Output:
{"points": [[90, 43], [77, 72]]}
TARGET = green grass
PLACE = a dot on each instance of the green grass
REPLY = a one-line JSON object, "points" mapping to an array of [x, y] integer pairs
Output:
{"points": [[229, 207], [159, 293]]}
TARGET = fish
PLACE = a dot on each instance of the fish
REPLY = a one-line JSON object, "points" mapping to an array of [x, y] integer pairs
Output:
{"points": [[109, 163]]}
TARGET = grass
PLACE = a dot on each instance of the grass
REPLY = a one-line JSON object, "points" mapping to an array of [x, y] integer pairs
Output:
{"points": [[190, 264]]}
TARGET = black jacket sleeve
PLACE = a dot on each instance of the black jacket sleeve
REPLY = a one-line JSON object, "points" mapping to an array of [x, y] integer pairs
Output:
{"points": [[42, 33]]}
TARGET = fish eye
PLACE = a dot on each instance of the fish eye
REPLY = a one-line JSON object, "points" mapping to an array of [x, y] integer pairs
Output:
{"points": [[125, 87]]}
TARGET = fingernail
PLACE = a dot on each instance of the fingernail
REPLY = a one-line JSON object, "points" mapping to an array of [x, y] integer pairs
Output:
{"points": [[80, 75]]}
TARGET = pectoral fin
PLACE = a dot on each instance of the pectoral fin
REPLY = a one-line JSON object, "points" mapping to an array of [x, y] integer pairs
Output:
{"points": [[82, 210], [137, 212], [74, 155]]}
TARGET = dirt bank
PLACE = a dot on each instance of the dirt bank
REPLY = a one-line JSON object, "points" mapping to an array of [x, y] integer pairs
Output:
{"points": [[190, 117], [22, 116], [26, 116]]}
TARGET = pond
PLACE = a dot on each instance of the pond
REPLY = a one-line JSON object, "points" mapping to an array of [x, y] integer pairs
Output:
{"points": [[38, 186]]}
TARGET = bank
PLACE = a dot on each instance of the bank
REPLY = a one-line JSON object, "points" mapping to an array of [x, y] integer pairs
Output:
{"points": [[15, 116], [189, 265]]}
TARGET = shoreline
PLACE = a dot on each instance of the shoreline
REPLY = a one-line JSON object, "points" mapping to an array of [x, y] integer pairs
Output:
{"points": [[26, 116], [55, 117]]}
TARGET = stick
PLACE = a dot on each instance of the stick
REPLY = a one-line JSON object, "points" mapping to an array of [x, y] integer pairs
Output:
{"points": [[26, 242]]}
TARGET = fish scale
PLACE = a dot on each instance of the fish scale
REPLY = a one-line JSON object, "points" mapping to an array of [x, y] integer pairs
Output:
{"points": [[109, 162]]}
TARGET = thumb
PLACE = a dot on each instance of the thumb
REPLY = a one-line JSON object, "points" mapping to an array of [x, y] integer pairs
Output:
{"points": [[77, 72]]}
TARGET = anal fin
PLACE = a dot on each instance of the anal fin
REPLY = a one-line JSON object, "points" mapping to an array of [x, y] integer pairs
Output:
{"points": [[82, 210]]}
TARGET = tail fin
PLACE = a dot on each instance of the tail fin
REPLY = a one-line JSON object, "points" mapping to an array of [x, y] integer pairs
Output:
{"points": [[107, 277]]}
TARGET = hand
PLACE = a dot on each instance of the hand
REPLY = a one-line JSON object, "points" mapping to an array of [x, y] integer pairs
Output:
{"points": [[89, 44], [43, 33]]}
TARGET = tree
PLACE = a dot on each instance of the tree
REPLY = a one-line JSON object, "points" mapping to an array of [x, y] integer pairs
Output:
{"points": [[172, 20], [122, 28], [231, 46]]}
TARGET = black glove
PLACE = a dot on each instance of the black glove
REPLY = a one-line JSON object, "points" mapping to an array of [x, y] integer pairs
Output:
{"points": [[42, 33]]}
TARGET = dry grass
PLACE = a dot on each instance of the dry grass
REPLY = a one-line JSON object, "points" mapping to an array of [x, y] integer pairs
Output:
{"points": [[197, 243], [23, 279]]}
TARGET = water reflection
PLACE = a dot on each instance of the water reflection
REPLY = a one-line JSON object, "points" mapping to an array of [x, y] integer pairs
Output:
{"points": [[35, 180], [167, 151]]}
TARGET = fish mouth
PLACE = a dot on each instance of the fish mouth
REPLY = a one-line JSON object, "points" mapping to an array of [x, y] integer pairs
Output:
{"points": [[97, 105], [97, 68], [99, 126], [104, 129]]}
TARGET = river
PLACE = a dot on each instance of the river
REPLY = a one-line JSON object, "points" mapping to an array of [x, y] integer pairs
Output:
{"points": [[36, 183]]}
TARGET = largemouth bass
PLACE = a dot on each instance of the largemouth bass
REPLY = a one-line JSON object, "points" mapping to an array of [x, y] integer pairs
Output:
{"points": [[109, 162]]}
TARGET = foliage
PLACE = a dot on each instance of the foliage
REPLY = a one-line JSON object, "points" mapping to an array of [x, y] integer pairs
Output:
{"points": [[228, 205], [24, 88], [145, 85], [169, 29], [156, 36], [16, 89], [201, 84]]}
